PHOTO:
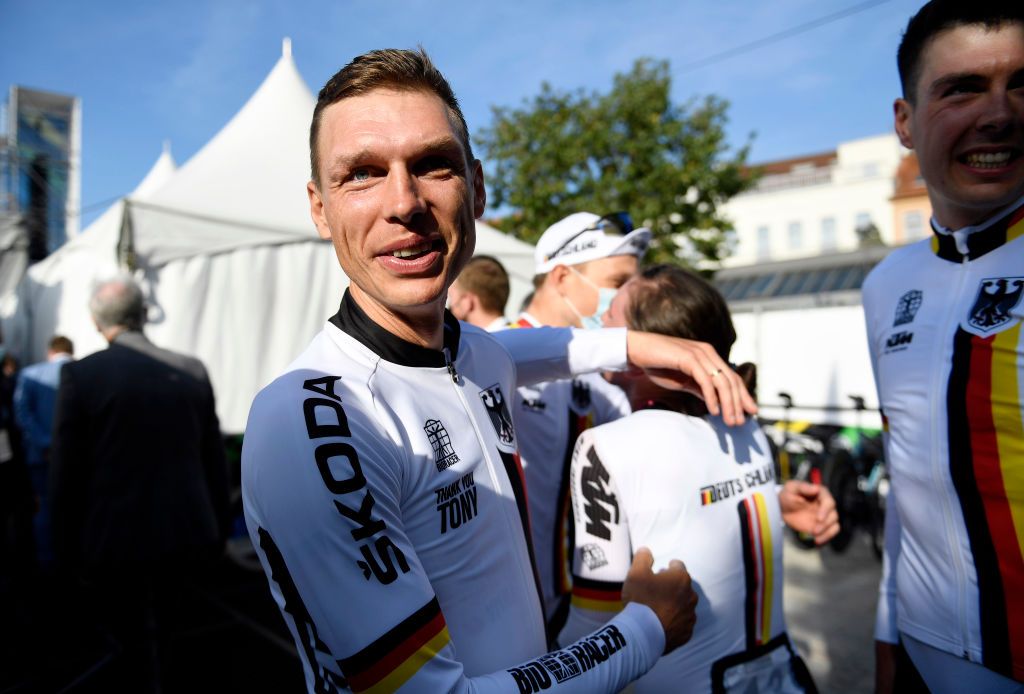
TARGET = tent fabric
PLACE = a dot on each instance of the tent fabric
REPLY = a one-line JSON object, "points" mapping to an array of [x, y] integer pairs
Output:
{"points": [[52, 298], [226, 252], [13, 254]]}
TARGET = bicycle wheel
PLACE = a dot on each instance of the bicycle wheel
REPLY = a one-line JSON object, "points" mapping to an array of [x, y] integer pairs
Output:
{"points": [[808, 468], [841, 480]]}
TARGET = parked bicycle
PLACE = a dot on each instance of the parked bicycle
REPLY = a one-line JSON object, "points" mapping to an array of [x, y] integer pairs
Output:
{"points": [[798, 448], [855, 473]]}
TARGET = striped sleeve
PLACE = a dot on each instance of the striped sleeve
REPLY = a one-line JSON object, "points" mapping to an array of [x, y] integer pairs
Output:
{"points": [[602, 555]]}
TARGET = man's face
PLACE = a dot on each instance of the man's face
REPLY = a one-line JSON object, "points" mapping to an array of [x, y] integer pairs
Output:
{"points": [[606, 273], [967, 125], [398, 199]]}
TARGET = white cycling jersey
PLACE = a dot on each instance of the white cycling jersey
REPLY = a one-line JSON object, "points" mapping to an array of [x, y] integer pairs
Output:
{"points": [[548, 418], [694, 489], [383, 494], [944, 330]]}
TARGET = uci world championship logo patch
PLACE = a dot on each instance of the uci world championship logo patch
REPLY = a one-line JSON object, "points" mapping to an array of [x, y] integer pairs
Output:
{"points": [[993, 307]]}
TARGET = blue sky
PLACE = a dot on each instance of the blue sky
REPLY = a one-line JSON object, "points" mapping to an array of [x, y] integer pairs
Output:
{"points": [[149, 72]]}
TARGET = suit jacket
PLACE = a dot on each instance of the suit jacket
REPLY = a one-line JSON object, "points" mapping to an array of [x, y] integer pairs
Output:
{"points": [[138, 476], [34, 399]]}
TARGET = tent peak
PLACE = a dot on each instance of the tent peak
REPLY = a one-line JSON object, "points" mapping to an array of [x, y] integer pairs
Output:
{"points": [[286, 47], [167, 147]]}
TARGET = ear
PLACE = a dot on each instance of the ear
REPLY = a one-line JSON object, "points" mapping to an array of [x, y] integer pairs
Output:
{"points": [[903, 113], [479, 192], [316, 211], [558, 276]]}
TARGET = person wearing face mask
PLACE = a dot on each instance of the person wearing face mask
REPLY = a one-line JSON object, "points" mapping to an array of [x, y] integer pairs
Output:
{"points": [[581, 261]]}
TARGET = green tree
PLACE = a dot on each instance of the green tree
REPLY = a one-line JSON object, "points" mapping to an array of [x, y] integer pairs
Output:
{"points": [[631, 149]]}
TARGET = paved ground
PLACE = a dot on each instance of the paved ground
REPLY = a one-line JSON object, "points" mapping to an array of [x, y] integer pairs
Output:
{"points": [[229, 636], [830, 611]]}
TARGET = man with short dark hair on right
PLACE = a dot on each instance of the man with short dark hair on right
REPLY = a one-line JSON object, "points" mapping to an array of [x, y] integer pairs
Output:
{"points": [[479, 294], [944, 320]]}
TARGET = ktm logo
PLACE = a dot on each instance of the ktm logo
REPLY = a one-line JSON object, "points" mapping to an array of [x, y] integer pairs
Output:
{"points": [[899, 339]]}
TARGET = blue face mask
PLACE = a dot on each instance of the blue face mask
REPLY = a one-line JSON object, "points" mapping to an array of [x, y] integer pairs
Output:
{"points": [[604, 302]]}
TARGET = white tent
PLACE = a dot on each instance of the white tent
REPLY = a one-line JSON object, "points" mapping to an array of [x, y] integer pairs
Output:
{"points": [[224, 246]]}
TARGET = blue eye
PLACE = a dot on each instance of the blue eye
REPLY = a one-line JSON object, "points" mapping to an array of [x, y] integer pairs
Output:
{"points": [[360, 175]]}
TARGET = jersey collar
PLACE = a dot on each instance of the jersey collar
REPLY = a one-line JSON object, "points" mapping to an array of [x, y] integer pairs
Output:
{"points": [[970, 243], [526, 321], [354, 322]]}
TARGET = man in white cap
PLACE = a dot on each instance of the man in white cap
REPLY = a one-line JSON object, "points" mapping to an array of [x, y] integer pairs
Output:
{"points": [[580, 262]]}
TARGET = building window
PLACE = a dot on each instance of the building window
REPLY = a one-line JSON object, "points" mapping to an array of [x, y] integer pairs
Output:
{"points": [[828, 234], [796, 236], [764, 243], [863, 220], [913, 225]]}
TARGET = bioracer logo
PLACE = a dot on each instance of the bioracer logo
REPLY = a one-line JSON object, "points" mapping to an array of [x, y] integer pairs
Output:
{"points": [[573, 661], [441, 443]]}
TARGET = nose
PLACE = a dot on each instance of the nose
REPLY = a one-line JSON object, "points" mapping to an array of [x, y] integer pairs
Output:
{"points": [[404, 201], [999, 112]]}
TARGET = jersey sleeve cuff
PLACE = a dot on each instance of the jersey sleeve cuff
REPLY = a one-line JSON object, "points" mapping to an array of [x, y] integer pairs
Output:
{"points": [[641, 621], [597, 350], [886, 629]]}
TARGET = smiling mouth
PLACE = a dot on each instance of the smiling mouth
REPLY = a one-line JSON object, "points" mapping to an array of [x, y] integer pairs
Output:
{"points": [[417, 251], [990, 160]]}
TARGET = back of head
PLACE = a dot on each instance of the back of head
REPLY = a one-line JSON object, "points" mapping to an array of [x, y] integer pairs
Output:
{"points": [[668, 300], [486, 277], [389, 68], [118, 303], [61, 345], [941, 15]]}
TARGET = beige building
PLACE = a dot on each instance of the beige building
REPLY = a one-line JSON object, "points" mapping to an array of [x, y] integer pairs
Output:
{"points": [[816, 204], [911, 210]]}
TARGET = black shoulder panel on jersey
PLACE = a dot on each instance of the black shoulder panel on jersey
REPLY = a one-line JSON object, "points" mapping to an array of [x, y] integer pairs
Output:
{"points": [[324, 681]]}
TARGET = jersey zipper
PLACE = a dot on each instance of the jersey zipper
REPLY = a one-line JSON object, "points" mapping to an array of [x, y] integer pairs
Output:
{"points": [[515, 523], [940, 474]]}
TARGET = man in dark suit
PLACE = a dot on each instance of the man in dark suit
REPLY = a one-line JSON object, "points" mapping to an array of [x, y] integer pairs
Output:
{"points": [[138, 475]]}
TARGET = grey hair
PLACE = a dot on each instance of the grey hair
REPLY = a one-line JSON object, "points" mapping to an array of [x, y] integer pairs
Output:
{"points": [[118, 303]]}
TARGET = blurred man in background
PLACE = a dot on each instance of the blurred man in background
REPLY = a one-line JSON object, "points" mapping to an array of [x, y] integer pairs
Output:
{"points": [[34, 399], [138, 478], [479, 294]]}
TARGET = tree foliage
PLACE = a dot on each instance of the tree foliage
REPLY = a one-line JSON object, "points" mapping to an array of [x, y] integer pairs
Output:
{"points": [[630, 149]]}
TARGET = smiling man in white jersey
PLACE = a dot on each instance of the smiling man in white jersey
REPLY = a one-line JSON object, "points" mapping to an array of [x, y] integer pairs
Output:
{"points": [[944, 327], [380, 480]]}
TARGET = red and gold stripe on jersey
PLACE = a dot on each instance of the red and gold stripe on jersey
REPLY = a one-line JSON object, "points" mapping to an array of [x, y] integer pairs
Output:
{"points": [[986, 447], [390, 661], [759, 568], [600, 596]]}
